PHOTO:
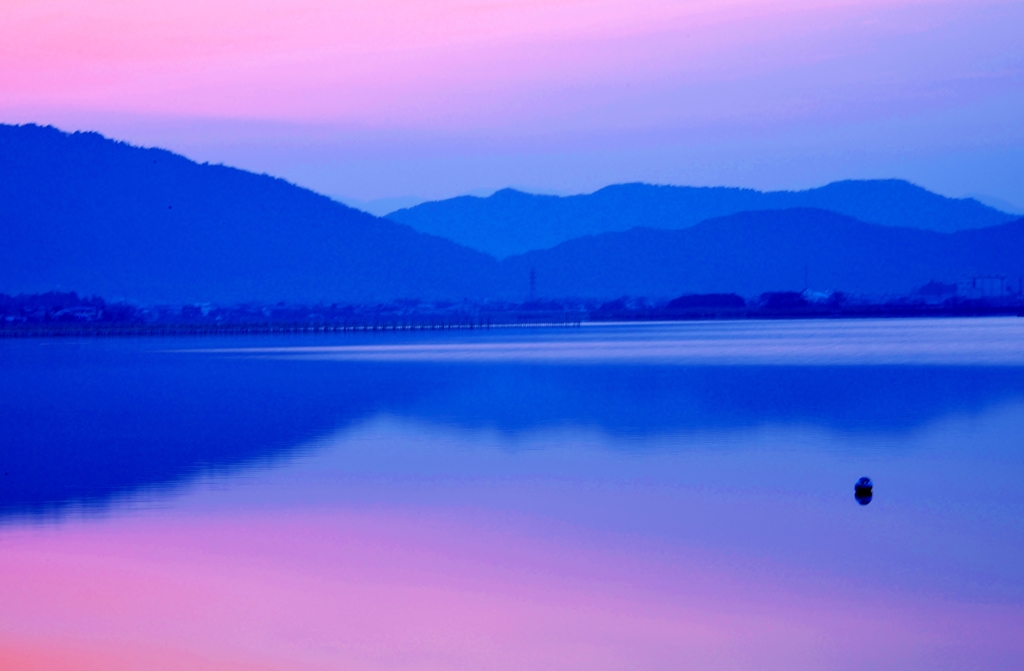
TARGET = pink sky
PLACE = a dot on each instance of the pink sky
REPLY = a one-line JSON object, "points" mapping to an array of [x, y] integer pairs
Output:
{"points": [[371, 98]]}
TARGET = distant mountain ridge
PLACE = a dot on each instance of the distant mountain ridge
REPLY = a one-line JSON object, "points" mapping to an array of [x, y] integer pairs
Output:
{"points": [[79, 212], [752, 252], [85, 213], [512, 222]]}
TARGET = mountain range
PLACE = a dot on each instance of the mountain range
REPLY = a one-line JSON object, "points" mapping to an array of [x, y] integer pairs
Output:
{"points": [[512, 222], [82, 212], [751, 252]]}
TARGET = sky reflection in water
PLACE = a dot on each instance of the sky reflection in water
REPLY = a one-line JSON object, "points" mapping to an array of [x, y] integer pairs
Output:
{"points": [[295, 503]]}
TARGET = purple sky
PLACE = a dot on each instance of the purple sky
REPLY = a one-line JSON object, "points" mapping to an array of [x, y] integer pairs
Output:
{"points": [[371, 99]]}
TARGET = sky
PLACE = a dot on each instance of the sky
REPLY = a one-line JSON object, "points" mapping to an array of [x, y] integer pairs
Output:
{"points": [[421, 99]]}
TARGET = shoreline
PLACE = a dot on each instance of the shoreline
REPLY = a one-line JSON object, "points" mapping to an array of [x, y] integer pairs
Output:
{"points": [[489, 322]]}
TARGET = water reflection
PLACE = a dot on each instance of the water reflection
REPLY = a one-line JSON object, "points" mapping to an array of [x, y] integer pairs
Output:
{"points": [[87, 421], [334, 512], [863, 491]]}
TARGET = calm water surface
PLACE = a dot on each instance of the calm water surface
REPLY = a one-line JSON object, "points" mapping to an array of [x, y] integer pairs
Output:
{"points": [[609, 497]]}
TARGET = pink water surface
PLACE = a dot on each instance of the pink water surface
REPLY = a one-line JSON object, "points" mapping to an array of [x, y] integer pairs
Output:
{"points": [[418, 542], [400, 589]]}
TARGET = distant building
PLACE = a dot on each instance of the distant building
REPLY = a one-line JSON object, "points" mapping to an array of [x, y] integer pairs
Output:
{"points": [[984, 286], [78, 313]]}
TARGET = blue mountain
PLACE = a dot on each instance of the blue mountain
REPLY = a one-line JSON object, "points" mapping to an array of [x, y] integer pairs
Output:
{"points": [[512, 222], [752, 252], [85, 213], [79, 212]]}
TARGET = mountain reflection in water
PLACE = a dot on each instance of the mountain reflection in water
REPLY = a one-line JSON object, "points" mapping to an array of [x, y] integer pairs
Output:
{"points": [[87, 421], [604, 498]]}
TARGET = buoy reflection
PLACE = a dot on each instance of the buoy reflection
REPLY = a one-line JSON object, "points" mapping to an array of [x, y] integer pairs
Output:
{"points": [[862, 491]]}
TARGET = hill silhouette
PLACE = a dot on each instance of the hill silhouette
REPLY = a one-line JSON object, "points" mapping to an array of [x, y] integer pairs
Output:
{"points": [[79, 212], [512, 222], [752, 252], [85, 213]]}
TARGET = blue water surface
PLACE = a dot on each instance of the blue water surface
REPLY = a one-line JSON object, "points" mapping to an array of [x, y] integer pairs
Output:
{"points": [[743, 438]]}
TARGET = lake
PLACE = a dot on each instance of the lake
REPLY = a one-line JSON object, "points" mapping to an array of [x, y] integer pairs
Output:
{"points": [[649, 496]]}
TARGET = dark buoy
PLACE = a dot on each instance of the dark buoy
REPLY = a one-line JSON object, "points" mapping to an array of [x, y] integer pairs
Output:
{"points": [[862, 491]]}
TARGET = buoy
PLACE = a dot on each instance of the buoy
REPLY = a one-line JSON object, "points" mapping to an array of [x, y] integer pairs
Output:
{"points": [[862, 491]]}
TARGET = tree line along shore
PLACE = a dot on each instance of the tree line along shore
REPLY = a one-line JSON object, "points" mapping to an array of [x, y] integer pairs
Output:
{"points": [[68, 314]]}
